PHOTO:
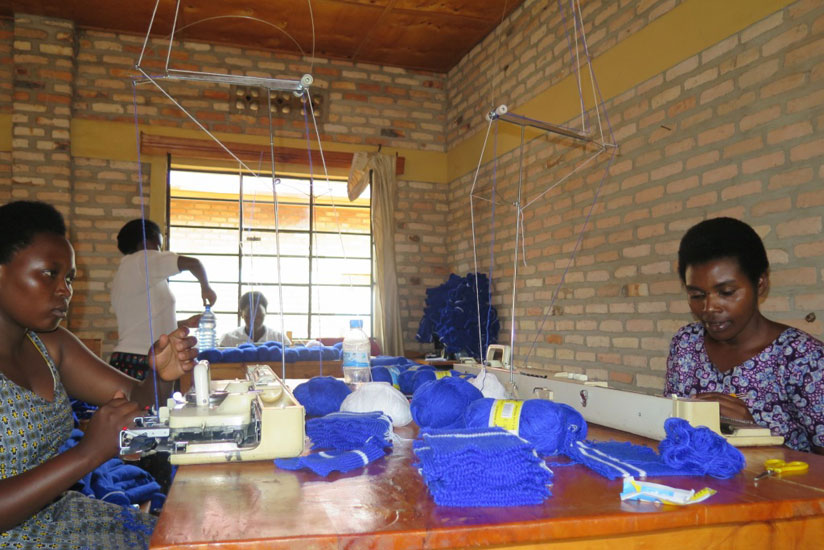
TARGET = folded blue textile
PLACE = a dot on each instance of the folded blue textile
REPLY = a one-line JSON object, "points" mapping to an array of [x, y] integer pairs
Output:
{"points": [[481, 467], [686, 451], [326, 462], [344, 431], [114, 480]]}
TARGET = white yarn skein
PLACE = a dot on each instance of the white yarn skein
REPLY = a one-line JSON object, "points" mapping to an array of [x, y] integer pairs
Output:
{"points": [[489, 385], [379, 396]]}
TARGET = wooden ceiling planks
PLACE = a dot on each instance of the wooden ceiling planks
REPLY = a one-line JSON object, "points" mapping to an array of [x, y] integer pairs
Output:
{"points": [[430, 35]]}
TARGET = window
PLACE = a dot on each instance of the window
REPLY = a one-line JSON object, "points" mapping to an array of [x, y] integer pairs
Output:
{"points": [[311, 256]]}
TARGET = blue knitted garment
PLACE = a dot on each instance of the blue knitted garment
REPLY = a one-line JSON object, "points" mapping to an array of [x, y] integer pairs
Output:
{"points": [[352, 440], [326, 462], [344, 431], [481, 467], [686, 451]]}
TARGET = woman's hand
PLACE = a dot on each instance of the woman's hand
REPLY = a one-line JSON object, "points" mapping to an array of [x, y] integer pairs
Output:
{"points": [[730, 406], [191, 322], [209, 296], [102, 435], [173, 354]]}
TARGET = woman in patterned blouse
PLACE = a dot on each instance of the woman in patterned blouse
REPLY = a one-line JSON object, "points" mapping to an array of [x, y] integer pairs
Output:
{"points": [[41, 365], [759, 370]]}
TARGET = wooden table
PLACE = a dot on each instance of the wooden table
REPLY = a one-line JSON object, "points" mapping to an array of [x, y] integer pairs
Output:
{"points": [[386, 506]]}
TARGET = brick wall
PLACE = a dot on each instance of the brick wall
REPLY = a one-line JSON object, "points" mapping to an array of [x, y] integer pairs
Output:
{"points": [[88, 75], [733, 129], [737, 129], [529, 52]]}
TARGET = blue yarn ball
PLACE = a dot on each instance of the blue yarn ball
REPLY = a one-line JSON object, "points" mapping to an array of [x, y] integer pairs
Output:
{"points": [[266, 353], [249, 355], [272, 343], [330, 353], [303, 353], [232, 355], [406, 378], [699, 448], [552, 427], [338, 345], [246, 345], [292, 355], [321, 395], [385, 374], [211, 355], [442, 403]]}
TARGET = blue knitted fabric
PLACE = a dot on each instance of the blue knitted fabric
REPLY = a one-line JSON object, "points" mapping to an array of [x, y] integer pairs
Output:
{"points": [[686, 451], [344, 431], [114, 481], [481, 467], [324, 463]]}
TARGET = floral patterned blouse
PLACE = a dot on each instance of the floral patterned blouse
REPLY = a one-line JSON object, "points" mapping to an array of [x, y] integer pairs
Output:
{"points": [[783, 385]]}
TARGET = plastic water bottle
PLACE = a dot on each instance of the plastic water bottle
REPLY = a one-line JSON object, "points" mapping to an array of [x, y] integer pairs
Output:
{"points": [[206, 335], [356, 347]]}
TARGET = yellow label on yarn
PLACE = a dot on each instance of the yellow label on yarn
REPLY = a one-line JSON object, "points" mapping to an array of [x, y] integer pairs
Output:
{"points": [[506, 414], [441, 373]]}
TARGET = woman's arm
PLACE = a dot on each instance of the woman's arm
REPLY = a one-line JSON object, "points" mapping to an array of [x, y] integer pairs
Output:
{"points": [[21, 496], [89, 378], [193, 265]]}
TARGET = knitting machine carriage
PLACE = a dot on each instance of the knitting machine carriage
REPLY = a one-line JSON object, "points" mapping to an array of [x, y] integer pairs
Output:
{"points": [[223, 421], [628, 411]]}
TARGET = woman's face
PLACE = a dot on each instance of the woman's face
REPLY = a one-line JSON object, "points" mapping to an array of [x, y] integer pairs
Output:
{"points": [[259, 316], [723, 298], [36, 283]]}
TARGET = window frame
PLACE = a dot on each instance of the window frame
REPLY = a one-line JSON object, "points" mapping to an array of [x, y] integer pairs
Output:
{"points": [[310, 256]]}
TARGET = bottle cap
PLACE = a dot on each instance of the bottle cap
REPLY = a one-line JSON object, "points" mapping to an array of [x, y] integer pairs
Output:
{"points": [[356, 323]]}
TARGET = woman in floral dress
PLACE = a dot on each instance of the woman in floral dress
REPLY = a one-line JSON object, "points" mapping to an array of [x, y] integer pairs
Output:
{"points": [[41, 365], [760, 371]]}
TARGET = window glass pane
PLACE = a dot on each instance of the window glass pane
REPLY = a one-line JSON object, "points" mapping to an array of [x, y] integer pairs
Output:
{"points": [[220, 269], [262, 270], [350, 246], [289, 190], [201, 212], [183, 183], [336, 326], [258, 215], [340, 299], [188, 300], [207, 223], [295, 298], [336, 192], [192, 241], [341, 219], [340, 271], [265, 242]]}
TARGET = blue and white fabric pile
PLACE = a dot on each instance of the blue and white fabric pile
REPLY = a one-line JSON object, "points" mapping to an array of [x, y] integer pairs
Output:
{"points": [[685, 451], [481, 467], [351, 441]]}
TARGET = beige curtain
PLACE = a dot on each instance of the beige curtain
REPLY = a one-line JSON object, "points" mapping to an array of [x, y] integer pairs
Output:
{"points": [[388, 330]]}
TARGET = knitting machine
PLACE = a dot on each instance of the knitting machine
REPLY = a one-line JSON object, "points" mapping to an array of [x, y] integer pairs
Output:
{"points": [[223, 421], [633, 412]]}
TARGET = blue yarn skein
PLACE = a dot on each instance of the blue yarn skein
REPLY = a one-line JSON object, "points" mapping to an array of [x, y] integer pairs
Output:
{"points": [[552, 427], [321, 395], [699, 449], [406, 379], [442, 403]]}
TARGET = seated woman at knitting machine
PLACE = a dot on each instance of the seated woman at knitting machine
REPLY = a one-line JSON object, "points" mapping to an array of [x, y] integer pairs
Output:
{"points": [[760, 371]]}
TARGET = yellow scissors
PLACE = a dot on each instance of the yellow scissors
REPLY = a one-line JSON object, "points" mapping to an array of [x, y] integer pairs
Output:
{"points": [[776, 466]]}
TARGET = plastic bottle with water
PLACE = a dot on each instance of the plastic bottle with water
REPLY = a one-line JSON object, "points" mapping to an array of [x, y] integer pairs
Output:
{"points": [[356, 348], [206, 333]]}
